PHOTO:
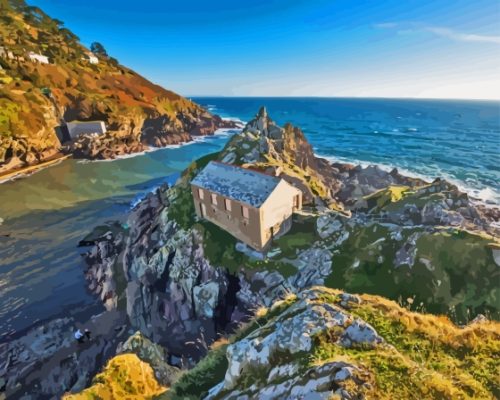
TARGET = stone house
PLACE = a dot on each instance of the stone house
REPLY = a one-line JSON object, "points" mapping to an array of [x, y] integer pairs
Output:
{"points": [[77, 128], [252, 206]]}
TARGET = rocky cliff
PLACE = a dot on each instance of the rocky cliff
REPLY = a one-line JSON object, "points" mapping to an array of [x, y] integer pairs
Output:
{"points": [[37, 98], [186, 287]]}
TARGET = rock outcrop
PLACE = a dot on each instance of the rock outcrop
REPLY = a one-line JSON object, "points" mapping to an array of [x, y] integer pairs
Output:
{"points": [[182, 286], [48, 361]]}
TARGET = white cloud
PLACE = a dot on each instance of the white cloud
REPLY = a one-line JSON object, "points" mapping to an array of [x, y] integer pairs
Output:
{"points": [[463, 37], [439, 31]]}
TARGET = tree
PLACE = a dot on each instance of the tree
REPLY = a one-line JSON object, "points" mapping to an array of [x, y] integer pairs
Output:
{"points": [[98, 49]]}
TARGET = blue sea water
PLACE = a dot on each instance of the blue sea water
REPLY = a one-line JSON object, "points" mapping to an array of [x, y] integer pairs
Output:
{"points": [[455, 139], [44, 216]]}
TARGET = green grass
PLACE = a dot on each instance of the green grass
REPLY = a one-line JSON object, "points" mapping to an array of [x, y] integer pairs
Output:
{"points": [[430, 357], [454, 272], [181, 209], [220, 247], [386, 196], [206, 374], [301, 236], [211, 369]]}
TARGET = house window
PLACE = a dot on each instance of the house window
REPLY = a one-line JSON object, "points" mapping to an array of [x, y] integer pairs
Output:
{"points": [[244, 212], [227, 203], [203, 210], [201, 194], [214, 199]]}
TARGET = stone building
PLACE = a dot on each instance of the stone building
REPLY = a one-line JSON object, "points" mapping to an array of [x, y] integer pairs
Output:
{"points": [[76, 128], [252, 206]]}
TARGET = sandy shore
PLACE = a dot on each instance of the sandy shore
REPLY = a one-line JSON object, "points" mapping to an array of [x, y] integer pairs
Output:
{"points": [[9, 175]]}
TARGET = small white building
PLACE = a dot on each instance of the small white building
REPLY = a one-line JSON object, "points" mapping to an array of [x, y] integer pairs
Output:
{"points": [[77, 128], [40, 58], [6, 54], [92, 58]]}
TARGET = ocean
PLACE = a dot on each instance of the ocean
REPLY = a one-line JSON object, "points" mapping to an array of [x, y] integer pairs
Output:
{"points": [[44, 216], [455, 139]]}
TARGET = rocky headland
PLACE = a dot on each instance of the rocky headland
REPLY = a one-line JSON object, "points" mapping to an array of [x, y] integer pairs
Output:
{"points": [[282, 325]]}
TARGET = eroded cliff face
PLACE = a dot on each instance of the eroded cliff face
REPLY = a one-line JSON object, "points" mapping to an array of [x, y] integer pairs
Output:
{"points": [[36, 99]]}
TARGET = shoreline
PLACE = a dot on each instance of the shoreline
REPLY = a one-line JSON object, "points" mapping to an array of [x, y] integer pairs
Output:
{"points": [[11, 175], [151, 149], [25, 172], [488, 201]]}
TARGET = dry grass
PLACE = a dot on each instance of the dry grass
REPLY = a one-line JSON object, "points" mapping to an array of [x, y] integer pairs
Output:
{"points": [[426, 356], [125, 377]]}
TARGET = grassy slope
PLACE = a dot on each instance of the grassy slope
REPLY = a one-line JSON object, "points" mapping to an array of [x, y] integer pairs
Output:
{"points": [[431, 357], [453, 273]]}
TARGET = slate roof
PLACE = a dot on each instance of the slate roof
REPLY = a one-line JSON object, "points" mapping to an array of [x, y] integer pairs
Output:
{"points": [[237, 183]]}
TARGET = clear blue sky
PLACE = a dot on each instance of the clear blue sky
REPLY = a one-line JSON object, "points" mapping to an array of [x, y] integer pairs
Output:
{"points": [[396, 48]]}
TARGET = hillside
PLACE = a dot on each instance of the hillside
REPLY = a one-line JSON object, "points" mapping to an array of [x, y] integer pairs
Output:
{"points": [[36, 98], [186, 288], [328, 344]]}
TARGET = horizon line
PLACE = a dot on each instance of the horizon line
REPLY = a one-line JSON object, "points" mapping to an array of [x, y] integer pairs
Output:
{"points": [[341, 97]]}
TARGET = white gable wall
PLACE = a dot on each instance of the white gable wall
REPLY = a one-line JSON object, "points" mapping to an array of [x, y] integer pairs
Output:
{"points": [[276, 212]]}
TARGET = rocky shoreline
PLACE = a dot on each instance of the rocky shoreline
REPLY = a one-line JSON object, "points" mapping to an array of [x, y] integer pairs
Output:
{"points": [[105, 147], [111, 145], [182, 284]]}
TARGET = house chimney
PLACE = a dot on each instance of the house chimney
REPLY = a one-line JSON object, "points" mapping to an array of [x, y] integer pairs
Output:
{"points": [[262, 112]]}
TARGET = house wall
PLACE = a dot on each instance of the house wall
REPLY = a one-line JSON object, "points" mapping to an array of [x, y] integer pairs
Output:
{"points": [[245, 229], [277, 210], [77, 128]]}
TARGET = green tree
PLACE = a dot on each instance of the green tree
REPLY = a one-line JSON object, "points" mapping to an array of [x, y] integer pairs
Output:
{"points": [[98, 49]]}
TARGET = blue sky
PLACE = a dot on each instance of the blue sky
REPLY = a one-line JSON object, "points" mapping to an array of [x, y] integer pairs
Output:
{"points": [[396, 48]]}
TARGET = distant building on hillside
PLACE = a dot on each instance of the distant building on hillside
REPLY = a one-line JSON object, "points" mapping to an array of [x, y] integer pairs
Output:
{"points": [[6, 54], [77, 128], [92, 58], [252, 206], [40, 58]]}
